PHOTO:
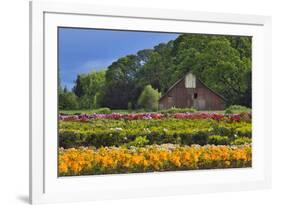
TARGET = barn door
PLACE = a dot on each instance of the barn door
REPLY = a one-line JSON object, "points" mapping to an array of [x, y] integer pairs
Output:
{"points": [[199, 104]]}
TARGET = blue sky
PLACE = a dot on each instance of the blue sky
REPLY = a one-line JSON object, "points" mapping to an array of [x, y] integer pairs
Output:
{"points": [[84, 50]]}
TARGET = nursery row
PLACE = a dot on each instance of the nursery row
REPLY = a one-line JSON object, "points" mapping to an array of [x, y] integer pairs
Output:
{"points": [[147, 116], [165, 157], [105, 132], [164, 126]]}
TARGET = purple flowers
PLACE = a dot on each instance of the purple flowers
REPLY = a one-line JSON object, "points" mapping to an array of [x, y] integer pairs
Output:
{"points": [[149, 116]]}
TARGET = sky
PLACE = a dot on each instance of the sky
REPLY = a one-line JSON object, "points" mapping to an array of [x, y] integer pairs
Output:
{"points": [[84, 50]]}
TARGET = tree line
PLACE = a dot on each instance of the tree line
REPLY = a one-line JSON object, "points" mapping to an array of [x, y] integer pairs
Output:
{"points": [[223, 63]]}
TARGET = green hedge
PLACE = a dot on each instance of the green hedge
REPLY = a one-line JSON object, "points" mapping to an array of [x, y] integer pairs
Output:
{"points": [[104, 132], [241, 141], [178, 110], [218, 140], [68, 139], [237, 109]]}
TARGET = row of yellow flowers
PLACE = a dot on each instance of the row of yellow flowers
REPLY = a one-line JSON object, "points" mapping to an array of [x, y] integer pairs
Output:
{"points": [[110, 160]]}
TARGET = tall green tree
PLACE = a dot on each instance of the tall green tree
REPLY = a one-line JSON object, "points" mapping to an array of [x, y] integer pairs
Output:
{"points": [[67, 100], [158, 67], [121, 82], [221, 67], [149, 98], [89, 88]]}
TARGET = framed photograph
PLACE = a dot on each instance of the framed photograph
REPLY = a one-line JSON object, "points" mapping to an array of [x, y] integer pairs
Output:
{"points": [[129, 102]]}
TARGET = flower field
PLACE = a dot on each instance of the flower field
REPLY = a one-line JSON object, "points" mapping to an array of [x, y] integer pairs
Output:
{"points": [[84, 161], [146, 142], [145, 116]]}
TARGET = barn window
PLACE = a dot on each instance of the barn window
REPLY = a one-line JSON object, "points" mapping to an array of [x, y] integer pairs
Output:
{"points": [[195, 95]]}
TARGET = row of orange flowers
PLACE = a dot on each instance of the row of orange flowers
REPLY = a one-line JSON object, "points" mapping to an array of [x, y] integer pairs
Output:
{"points": [[84, 161]]}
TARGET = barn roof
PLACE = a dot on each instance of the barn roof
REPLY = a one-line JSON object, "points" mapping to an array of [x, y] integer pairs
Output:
{"points": [[182, 78]]}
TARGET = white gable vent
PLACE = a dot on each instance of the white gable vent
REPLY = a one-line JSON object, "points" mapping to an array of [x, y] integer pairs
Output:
{"points": [[190, 81]]}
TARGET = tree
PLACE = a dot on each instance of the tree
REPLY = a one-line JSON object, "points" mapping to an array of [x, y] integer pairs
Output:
{"points": [[221, 68], [67, 100], [78, 88], [222, 62], [121, 81], [89, 89], [158, 67], [149, 98], [60, 90]]}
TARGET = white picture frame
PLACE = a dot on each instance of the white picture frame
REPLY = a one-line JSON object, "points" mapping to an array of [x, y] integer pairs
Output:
{"points": [[46, 187]]}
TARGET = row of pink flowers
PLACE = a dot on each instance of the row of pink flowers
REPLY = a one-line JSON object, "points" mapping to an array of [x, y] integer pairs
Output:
{"points": [[146, 116]]}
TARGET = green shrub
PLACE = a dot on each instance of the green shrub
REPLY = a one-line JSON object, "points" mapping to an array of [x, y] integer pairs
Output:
{"points": [[139, 141], [148, 99], [106, 132], [68, 139], [200, 138], [236, 109], [103, 110], [178, 110], [241, 141], [245, 131], [68, 100], [218, 140]]}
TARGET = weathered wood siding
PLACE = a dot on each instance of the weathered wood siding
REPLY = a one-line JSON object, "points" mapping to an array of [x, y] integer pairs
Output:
{"points": [[181, 97]]}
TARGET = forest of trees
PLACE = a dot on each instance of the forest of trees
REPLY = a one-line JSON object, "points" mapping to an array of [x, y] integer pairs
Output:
{"points": [[222, 62]]}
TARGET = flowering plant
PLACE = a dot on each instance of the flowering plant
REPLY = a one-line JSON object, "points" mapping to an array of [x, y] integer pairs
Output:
{"points": [[148, 116], [165, 157]]}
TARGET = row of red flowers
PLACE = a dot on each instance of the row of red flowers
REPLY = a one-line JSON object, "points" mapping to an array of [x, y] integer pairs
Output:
{"points": [[147, 116]]}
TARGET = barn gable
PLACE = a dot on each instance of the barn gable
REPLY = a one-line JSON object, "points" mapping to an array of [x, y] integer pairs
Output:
{"points": [[190, 91], [190, 80]]}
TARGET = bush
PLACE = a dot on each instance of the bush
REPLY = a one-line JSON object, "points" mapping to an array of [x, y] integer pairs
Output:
{"points": [[241, 141], [178, 110], [218, 140], [103, 110], [68, 100], [245, 131], [106, 132], [200, 138], [236, 109], [139, 141], [149, 98]]}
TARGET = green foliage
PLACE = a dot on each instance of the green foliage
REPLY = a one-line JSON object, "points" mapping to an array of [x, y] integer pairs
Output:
{"points": [[139, 141], [106, 132], [218, 140], [89, 89], [104, 110], [244, 131], [67, 100], [121, 83], [237, 109], [241, 140], [221, 68], [201, 138], [157, 67], [179, 110], [149, 98]]}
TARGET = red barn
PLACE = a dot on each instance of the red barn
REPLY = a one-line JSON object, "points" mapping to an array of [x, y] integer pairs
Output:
{"points": [[189, 92]]}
